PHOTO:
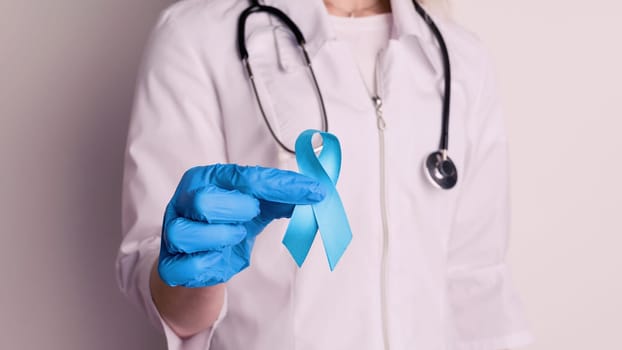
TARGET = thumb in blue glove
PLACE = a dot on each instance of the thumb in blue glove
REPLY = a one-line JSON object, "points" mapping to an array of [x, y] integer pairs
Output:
{"points": [[212, 220]]}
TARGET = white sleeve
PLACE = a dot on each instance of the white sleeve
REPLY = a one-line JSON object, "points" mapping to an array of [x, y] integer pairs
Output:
{"points": [[487, 313], [175, 125]]}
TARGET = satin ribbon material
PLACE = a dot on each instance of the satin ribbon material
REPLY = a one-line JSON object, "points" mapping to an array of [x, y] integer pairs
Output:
{"points": [[328, 216]]}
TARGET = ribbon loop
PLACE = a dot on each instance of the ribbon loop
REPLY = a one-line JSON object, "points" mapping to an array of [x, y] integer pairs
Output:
{"points": [[328, 216]]}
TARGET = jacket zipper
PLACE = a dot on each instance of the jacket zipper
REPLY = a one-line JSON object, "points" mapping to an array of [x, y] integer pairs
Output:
{"points": [[381, 124]]}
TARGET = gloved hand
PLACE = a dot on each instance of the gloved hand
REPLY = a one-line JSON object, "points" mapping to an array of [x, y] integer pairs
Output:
{"points": [[212, 220]]}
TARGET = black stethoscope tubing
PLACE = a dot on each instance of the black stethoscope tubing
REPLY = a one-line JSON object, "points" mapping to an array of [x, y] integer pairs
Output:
{"points": [[438, 167], [255, 7]]}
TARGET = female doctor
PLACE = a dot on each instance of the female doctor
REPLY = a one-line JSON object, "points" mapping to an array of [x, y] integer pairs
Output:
{"points": [[210, 180]]}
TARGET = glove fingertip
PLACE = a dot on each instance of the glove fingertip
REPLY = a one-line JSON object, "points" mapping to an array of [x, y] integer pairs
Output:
{"points": [[164, 272], [317, 192], [240, 234]]}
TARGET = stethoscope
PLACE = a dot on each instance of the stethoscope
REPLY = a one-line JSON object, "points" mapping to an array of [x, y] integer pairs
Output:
{"points": [[438, 167]]}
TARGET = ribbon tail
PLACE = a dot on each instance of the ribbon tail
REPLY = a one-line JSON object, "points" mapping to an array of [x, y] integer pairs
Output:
{"points": [[334, 227], [300, 233]]}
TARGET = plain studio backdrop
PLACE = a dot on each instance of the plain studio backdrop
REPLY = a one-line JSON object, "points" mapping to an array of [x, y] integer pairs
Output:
{"points": [[67, 71]]}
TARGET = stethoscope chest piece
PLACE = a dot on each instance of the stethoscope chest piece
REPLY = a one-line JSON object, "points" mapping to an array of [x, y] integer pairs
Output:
{"points": [[440, 170]]}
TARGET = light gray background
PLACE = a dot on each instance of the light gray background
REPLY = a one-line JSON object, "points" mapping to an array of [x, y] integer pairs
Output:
{"points": [[67, 70]]}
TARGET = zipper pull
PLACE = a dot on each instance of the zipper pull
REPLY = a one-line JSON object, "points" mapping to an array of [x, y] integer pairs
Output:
{"points": [[380, 120]]}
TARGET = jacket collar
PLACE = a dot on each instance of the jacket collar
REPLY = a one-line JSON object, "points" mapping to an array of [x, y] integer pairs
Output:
{"points": [[312, 19]]}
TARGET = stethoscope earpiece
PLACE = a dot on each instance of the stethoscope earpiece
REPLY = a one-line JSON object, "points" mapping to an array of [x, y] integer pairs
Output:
{"points": [[440, 170]]}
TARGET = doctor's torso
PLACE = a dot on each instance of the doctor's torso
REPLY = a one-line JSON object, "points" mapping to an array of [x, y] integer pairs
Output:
{"points": [[390, 284]]}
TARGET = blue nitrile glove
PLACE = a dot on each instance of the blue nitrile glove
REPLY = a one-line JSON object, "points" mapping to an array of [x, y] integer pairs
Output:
{"points": [[212, 220]]}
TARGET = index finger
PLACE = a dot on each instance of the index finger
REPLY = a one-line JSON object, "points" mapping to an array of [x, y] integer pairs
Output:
{"points": [[270, 184]]}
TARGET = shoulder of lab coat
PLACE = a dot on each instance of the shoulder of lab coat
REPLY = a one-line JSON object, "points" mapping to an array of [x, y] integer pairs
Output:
{"points": [[486, 311], [173, 94]]}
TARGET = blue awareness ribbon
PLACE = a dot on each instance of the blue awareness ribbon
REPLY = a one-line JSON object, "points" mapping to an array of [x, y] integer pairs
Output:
{"points": [[328, 216]]}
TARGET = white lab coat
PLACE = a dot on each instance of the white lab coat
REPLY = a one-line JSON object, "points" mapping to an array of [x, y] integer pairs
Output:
{"points": [[434, 277]]}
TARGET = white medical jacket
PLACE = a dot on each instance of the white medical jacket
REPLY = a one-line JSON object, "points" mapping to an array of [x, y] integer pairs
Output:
{"points": [[426, 267]]}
